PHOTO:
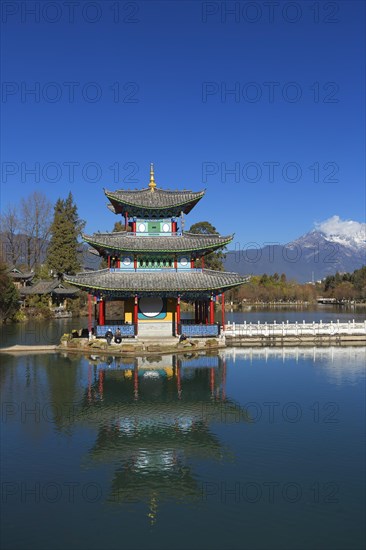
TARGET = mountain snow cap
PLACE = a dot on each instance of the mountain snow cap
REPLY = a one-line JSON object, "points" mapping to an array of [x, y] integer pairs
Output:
{"points": [[347, 231]]}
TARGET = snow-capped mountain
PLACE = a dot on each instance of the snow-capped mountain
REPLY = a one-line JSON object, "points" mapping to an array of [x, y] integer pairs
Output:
{"points": [[346, 233], [334, 245]]}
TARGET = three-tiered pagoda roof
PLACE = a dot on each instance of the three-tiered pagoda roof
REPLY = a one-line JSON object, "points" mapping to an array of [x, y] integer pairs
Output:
{"points": [[154, 282], [160, 203], [125, 242]]}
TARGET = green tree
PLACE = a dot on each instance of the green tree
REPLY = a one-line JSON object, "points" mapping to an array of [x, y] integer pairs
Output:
{"points": [[347, 286], [359, 278], [214, 260], [62, 252], [345, 291], [9, 296], [120, 226]]}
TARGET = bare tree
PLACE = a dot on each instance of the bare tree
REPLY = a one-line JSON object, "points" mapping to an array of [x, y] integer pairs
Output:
{"points": [[35, 224], [11, 247]]}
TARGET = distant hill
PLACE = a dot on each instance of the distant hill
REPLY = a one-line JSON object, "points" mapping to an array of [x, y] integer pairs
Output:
{"points": [[334, 245], [89, 258]]}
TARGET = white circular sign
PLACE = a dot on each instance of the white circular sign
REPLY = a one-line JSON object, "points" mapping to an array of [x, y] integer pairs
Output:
{"points": [[126, 261], [151, 306], [142, 227], [166, 227], [183, 261]]}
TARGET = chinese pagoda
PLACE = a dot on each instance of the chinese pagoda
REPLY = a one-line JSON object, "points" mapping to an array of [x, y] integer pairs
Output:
{"points": [[152, 267]]}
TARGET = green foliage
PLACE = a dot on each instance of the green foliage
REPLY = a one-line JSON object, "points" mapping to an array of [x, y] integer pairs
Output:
{"points": [[77, 305], [215, 259], [9, 296], [37, 306], [346, 286], [65, 230], [274, 288], [43, 272], [19, 316], [118, 226]]}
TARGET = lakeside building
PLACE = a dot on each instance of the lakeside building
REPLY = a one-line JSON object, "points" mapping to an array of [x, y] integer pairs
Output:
{"points": [[152, 267], [21, 279]]}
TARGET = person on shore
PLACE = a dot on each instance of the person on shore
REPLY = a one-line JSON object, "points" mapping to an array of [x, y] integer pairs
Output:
{"points": [[118, 336], [109, 337]]}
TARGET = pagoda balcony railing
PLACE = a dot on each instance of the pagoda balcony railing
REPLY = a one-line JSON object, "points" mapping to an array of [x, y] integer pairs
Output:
{"points": [[153, 269], [127, 331], [197, 330], [160, 234]]}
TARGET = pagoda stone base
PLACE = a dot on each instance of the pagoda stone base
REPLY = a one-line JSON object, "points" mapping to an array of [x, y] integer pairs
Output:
{"points": [[155, 329]]}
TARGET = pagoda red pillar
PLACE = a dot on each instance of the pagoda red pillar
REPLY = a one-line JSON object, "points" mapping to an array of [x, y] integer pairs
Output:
{"points": [[212, 310], [223, 311], [192, 263], [135, 314], [206, 312], [101, 318], [135, 260], [89, 314], [178, 315]]}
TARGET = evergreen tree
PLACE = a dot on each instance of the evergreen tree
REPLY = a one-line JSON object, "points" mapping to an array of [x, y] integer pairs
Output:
{"points": [[118, 226], [214, 260], [9, 296], [62, 253]]}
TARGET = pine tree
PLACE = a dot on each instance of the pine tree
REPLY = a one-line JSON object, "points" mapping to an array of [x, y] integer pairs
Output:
{"points": [[62, 253], [9, 296], [214, 260]]}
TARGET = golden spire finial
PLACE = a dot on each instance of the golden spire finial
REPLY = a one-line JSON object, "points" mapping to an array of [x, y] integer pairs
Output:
{"points": [[152, 183]]}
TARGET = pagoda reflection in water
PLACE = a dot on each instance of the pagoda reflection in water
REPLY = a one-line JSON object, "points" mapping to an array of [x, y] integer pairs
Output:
{"points": [[153, 421]]}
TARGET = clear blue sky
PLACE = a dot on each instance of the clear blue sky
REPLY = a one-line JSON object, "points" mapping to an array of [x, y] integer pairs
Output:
{"points": [[175, 64]]}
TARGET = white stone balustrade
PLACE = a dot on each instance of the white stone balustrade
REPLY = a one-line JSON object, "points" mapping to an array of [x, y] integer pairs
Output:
{"points": [[296, 329]]}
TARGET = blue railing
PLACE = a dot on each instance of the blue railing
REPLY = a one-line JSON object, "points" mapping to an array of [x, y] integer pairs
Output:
{"points": [[116, 323], [199, 331], [127, 331]]}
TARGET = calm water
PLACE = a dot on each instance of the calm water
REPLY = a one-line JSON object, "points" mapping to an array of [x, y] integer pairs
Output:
{"points": [[50, 332], [257, 449]]}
